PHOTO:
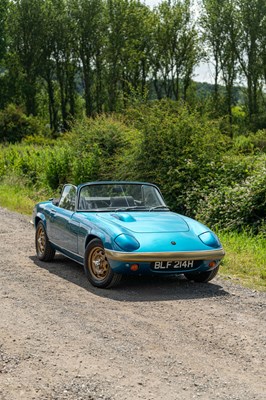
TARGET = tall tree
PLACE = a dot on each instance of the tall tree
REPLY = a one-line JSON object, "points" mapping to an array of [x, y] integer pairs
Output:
{"points": [[250, 48], [227, 55], [62, 53], [221, 30], [135, 54], [90, 38], [48, 66], [116, 10], [211, 21], [25, 26], [263, 47], [127, 49], [3, 47], [175, 49], [3, 33]]}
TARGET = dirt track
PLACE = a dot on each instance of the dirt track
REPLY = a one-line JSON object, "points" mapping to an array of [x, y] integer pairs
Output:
{"points": [[168, 339]]}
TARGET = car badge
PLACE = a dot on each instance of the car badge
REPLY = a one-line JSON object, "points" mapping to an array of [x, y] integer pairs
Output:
{"points": [[173, 243]]}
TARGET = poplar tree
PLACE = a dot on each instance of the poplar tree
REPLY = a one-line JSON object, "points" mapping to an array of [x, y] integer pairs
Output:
{"points": [[26, 25], [250, 49], [90, 39], [175, 49], [3, 32]]}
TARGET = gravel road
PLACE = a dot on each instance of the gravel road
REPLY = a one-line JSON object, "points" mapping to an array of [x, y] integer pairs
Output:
{"points": [[168, 339]]}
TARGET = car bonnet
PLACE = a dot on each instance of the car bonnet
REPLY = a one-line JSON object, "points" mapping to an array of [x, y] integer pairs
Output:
{"points": [[147, 222]]}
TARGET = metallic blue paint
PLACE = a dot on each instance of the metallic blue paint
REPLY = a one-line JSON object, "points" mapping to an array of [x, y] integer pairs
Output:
{"points": [[127, 242], [210, 239], [135, 232]]}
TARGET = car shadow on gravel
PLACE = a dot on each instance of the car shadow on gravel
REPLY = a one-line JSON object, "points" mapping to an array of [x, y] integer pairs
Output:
{"points": [[134, 288]]}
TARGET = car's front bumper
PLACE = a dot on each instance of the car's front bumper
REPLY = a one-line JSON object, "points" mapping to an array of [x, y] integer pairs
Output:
{"points": [[164, 256], [122, 262]]}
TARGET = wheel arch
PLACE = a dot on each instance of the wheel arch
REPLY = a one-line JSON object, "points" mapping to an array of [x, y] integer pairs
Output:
{"points": [[90, 237], [96, 266], [39, 217]]}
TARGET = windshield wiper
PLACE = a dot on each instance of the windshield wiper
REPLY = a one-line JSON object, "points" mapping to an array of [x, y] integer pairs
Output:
{"points": [[158, 207]]}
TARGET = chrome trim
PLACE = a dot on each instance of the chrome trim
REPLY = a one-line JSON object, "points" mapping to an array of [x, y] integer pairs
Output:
{"points": [[165, 256]]}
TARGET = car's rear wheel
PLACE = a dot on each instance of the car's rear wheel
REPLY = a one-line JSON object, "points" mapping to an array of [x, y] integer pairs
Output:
{"points": [[44, 250], [97, 267], [202, 276]]}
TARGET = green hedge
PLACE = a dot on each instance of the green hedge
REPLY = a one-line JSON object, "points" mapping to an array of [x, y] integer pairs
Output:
{"points": [[201, 171]]}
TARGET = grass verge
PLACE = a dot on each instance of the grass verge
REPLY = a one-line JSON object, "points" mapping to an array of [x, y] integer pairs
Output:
{"points": [[245, 260], [17, 196]]}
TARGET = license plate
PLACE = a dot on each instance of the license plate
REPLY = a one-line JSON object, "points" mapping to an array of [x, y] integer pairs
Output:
{"points": [[172, 265]]}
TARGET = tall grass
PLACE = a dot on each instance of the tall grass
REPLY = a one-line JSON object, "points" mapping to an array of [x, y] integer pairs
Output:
{"points": [[245, 259], [17, 196]]}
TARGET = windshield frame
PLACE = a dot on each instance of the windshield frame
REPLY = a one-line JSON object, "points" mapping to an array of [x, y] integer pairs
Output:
{"points": [[130, 203]]}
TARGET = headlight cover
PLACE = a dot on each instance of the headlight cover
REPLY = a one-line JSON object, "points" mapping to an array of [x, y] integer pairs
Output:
{"points": [[210, 239], [127, 242]]}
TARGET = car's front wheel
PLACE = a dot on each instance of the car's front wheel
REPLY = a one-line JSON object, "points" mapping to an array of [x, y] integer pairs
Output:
{"points": [[202, 276], [44, 250], [97, 267]]}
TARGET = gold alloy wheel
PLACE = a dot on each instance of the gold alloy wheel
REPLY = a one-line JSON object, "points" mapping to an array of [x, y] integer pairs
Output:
{"points": [[98, 264], [41, 239]]}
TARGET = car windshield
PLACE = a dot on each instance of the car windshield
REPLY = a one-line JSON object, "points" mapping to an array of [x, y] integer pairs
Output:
{"points": [[120, 197]]}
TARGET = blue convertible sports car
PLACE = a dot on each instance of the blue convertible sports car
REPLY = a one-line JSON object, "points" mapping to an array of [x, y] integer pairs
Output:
{"points": [[119, 228]]}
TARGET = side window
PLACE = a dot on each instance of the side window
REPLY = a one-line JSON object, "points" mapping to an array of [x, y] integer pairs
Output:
{"points": [[68, 198]]}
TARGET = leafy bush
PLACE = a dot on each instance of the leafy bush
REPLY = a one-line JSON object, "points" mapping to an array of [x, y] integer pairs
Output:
{"points": [[244, 145], [103, 148], [57, 163], [202, 172], [178, 148], [42, 166], [85, 165], [15, 125], [251, 143], [240, 205], [96, 149], [259, 140]]}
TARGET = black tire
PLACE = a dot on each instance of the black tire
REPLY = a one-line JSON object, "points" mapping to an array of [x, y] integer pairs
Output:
{"points": [[202, 276], [44, 250], [97, 267]]}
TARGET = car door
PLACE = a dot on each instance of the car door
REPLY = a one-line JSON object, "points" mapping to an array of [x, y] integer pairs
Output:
{"points": [[64, 227]]}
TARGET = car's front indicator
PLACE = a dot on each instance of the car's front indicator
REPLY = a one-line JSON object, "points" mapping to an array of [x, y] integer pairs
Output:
{"points": [[127, 242], [210, 239]]}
